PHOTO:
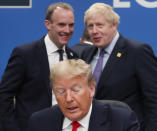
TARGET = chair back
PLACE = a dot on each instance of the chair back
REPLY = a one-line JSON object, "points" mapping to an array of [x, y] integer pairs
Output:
{"points": [[116, 103]]}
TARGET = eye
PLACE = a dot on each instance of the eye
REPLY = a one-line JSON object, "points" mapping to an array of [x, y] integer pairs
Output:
{"points": [[60, 91], [76, 89], [90, 26], [100, 25], [61, 24], [71, 25]]}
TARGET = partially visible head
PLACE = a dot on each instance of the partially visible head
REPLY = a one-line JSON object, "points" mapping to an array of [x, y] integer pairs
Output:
{"points": [[59, 21], [74, 87], [85, 36], [101, 22]]}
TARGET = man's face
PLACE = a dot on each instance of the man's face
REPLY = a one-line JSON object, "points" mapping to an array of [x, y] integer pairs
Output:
{"points": [[74, 96], [100, 30], [61, 26]]}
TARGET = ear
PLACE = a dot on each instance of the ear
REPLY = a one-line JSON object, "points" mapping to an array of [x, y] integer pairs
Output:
{"points": [[115, 26], [92, 90], [81, 40], [48, 24]]}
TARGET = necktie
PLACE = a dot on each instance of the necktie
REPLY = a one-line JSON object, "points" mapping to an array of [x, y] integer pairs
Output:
{"points": [[60, 51], [75, 125], [98, 67]]}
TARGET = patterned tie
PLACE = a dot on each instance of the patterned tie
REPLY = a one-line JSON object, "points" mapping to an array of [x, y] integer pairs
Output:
{"points": [[60, 51], [75, 125], [98, 67]]}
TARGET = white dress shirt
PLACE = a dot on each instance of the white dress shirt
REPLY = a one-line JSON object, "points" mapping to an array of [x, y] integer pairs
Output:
{"points": [[88, 42], [53, 57], [108, 51], [84, 123]]}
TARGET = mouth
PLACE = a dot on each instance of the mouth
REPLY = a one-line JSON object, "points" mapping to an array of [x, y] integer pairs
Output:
{"points": [[65, 37], [72, 109], [97, 39]]}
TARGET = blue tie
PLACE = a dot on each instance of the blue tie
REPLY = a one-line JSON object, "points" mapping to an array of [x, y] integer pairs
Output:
{"points": [[98, 67]]}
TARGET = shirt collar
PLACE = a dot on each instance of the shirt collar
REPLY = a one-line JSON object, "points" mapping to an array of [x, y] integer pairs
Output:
{"points": [[110, 47], [50, 45], [84, 122], [88, 42]]}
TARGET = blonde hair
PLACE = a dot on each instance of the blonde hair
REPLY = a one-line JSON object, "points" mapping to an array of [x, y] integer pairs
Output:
{"points": [[72, 68], [103, 9]]}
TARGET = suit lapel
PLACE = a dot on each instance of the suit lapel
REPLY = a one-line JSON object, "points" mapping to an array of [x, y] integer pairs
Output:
{"points": [[100, 119], [70, 53], [118, 54], [89, 54], [44, 65]]}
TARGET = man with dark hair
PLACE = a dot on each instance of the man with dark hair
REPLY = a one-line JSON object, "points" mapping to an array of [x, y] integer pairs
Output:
{"points": [[25, 88], [85, 41]]}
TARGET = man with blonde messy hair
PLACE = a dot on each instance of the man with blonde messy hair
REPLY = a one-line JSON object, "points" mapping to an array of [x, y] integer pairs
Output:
{"points": [[73, 85], [124, 69]]}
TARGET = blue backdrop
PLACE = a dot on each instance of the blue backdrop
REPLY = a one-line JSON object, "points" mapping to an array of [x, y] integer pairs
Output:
{"points": [[19, 25]]}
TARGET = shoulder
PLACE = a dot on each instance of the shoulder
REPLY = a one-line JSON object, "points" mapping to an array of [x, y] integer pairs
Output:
{"points": [[133, 44], [135, 48], [46, 114], [29, 46], [47, 119], [27, 50], [76, 46]]}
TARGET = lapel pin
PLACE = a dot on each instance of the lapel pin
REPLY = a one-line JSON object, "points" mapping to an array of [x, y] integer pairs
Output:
{"points": [[119, 54], [71, 53]]}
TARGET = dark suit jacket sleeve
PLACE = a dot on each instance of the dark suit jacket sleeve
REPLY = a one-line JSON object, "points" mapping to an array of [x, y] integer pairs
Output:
{"points": [[49, 119], [9, 86], [146, 68]]}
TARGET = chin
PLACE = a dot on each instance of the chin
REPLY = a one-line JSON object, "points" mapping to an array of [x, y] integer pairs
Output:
{"points": [[98, 45], [64, 43], [74, 117]]}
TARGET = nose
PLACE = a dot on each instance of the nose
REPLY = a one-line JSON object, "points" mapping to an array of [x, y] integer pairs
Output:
{"points": [[94, 29], [67, 29], [69, 96]]}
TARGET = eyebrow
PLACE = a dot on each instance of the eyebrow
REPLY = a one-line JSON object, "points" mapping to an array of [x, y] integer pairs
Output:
{"points": [[75, 84]]}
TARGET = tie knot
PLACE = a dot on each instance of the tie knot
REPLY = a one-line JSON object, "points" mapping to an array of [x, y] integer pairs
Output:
{"points": [[102, 52], [60, 51], [75, 125]]}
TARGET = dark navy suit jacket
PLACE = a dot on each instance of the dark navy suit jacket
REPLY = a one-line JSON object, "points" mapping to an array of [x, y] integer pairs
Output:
{"points": [[80, 47], [104, 117], [130, 76], [27, 79]]}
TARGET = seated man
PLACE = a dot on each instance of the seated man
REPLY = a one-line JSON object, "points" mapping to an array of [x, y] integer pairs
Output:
{"points": [[74, 87]]}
